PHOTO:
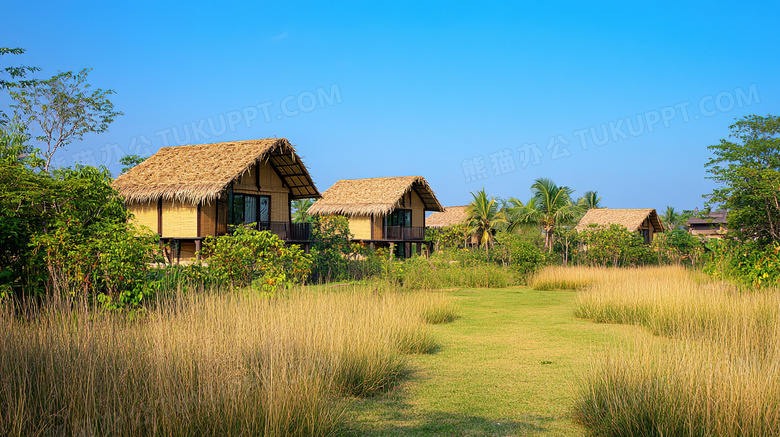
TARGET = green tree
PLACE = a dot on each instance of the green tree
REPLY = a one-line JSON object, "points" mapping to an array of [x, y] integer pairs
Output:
{"points": [[748, 171], [61, 110], [671, 219], [484, 216], [14, 72], [589, 200], [615, 246], [300, 208], [331, 248], [130, 161], [549, 208]]}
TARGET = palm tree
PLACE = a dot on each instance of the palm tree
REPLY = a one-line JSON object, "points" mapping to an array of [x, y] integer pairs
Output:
{"points": [[549, 208], [671, 218], [589, 200], [301, 208], [484, 216]]}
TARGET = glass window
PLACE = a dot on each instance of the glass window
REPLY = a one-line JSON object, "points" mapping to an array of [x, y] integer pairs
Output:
{"points": [[247, 209]]}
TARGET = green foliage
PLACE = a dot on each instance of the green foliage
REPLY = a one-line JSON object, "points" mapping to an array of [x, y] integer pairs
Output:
{"points": [[511, 249], [614, 246], [442, 271], [61, 110], [300, 208], [549, 208], [130, 161], [448, 237], [86, 245], [749, 263], [484, 216], [331, 249], [679, 247], [257, 258], [589, 200], [749, 174]]}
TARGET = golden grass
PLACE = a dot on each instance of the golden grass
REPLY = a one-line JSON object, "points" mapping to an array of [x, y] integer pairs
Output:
{"points": [[715, 372], [207, 364]]}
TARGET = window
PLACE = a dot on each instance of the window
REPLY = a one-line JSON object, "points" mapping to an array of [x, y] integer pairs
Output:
{"points": [[245, 209], [400, 217]]}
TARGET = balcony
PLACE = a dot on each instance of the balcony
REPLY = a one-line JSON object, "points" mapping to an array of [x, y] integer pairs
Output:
{"points": [[404, 233], [287, 231]]}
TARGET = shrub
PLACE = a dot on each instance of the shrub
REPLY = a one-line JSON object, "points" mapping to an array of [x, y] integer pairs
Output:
{"points": [[511, 249], [746, 263], [614, 246], [256, 258], [678, 247], [331, 248]]}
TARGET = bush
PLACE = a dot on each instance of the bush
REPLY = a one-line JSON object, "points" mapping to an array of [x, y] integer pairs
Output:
{"points": [[678, 247], [745, 263], [513, 250], [615, 246], [331, 248], [257, 258]]}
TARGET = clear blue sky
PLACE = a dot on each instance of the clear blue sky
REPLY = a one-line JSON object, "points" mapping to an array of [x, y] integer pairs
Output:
{"points": [[468, 96]]}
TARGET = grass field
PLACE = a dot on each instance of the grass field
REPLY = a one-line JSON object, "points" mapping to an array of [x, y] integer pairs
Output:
{"points": [[509, 365]]}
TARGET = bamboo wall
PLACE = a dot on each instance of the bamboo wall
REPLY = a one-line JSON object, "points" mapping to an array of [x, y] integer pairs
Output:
{"points": [[379, 226], [179, 219], [145, 214], [360, 227], [418, 209], [208, 218]]}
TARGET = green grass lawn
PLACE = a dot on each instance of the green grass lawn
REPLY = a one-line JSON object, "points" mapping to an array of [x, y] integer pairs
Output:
{"points": [[508, 366]]}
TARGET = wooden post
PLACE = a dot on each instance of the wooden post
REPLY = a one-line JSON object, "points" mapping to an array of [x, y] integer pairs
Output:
{"points": [[159, 217], [197, 221], [419, 248], [197, 250]]}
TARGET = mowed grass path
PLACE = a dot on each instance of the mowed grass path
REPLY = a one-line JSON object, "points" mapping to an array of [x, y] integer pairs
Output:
{"points": [[509, 365]]}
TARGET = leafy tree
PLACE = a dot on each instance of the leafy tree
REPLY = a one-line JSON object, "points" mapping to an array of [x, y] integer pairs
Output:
{"points": [[614, 246], [678, 246], [513, 250], [331, 247], [484, 216], [300, 208], [589, 200], [748, 171], [671, 219], [19, 72], [130, 161], [62, 109], [448, 237], [549, 208]]}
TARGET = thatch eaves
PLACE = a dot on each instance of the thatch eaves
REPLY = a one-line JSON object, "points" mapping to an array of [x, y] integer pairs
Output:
{"points": [[373, 196], [199, 173], [631, 219], [452, 215]]}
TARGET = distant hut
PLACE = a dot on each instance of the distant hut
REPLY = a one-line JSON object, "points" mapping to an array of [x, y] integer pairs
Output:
{"points": [[382, 211], [712, 226], [452, 215], [187, 193], [644, 221]]}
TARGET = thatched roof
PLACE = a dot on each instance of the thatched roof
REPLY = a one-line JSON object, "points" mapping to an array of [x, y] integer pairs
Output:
{"points": [[630, 218], [198, 173], [452, 215], [714, 217], [377, 196]]}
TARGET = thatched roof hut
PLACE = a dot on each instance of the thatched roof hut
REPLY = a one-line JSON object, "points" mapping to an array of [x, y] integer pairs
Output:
{"points": [[631, 219], [452, 215], [713, 226], [373, 196], [645, 221], [198, 173]]}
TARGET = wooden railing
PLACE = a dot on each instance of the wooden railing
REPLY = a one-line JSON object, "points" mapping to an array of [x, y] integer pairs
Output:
{"points": [[288, 231], [404, 233]]}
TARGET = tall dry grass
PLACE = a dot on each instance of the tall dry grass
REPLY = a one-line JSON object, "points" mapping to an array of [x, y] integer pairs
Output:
{"points": [[716, 371], [206, 364]]}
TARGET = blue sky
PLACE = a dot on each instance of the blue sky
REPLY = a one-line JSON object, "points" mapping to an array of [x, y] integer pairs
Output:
{"points": [[623, 98]]}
